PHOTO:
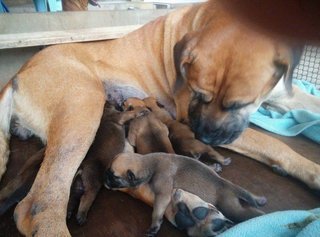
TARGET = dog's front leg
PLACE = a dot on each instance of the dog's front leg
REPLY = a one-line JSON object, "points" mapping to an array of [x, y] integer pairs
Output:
{"points": [[278, 155], [70, 134]]}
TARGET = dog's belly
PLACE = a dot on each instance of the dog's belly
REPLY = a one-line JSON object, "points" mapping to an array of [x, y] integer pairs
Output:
{"points": [[120, 92]]}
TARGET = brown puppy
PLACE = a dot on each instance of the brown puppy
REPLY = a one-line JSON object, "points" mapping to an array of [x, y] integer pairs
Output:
{"points": [[181, 136], [109, 141], [197, 217], [161, 173], [147, 133], [195, 60]]}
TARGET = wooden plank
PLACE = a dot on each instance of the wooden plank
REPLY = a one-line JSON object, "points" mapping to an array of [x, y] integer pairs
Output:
{"points": [[35, 29], [17, 40]]}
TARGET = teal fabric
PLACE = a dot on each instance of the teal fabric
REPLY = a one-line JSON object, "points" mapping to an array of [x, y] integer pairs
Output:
{"points": [[293, 122], [293, 223]]}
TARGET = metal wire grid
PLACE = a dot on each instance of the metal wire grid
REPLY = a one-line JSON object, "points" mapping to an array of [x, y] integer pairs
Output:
{"points": [[309, 67]]}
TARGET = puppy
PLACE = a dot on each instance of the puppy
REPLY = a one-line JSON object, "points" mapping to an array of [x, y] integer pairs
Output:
{"points": [[147, 133], [109, 141], [181, 136], [161, 173], [198, 218]]}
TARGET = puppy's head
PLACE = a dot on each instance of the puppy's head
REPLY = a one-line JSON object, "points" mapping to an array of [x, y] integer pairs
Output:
{"points": [[152, 102], [197, 217], [126, 171], [132, 103], [223, 75]]}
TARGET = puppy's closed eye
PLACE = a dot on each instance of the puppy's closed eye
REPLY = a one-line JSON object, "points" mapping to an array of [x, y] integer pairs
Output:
{"points": [[160, 105], [130, 108], [130, 175]]}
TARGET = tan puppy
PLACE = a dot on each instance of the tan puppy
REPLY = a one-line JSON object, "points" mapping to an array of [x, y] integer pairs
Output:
{"points": [[161, 173], [147, 133], [198, 218], [109, 141], [195, 60], [181, 136]]}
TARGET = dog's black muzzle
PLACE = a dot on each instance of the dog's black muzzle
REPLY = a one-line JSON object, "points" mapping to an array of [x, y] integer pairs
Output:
{"points": [[113, 182], [217, 133]]}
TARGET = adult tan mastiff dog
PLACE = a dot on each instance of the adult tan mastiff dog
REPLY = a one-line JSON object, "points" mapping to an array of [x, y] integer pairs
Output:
{"points": [[198, 61]]}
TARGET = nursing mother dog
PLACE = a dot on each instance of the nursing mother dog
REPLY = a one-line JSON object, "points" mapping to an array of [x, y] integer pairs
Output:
{"points": [[200, 63]]}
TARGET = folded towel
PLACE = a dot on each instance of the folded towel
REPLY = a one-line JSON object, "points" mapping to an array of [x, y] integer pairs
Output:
{"points": [[293, 223], [293, 122]]}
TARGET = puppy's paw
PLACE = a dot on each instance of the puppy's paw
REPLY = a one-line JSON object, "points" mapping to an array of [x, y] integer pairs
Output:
{"points": [[261, 201], [227, 161], [81, 218], [142, 112], [152, 232], [216, 167], [279, 170]]}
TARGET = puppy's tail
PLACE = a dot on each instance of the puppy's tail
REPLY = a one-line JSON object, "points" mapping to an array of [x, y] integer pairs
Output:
{"points": [[6, 102]]}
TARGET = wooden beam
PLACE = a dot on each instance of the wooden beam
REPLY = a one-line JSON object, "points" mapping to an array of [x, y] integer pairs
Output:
{"points": [[18, 40], [36, 29]]}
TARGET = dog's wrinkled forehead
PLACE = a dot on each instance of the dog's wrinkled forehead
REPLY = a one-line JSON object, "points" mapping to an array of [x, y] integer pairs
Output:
{"points": [[235, 64]]}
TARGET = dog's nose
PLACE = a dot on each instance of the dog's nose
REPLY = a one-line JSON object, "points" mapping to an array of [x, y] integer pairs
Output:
{"points": [[218, 224]]}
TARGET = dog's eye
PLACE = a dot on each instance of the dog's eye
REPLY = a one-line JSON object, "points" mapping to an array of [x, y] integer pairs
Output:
{"points": [[234, 105], [205, 98], [130, 108], [280, 70], [130, 175]]}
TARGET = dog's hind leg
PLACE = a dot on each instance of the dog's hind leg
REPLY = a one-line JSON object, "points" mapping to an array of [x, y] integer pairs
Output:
{"points": [[75, 117], [278, 155]]}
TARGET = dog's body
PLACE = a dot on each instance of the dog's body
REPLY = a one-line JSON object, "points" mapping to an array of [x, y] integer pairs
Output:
{"points": [[162, 173], [195, 61]]}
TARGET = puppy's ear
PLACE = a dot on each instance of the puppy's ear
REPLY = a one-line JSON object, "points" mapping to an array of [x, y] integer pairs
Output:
{"points": [[132, 138], [183, 57], [285, 63]]}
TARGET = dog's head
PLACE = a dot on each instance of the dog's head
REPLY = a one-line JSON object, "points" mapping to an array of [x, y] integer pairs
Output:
{"points": [[126, 171], [198, 218], [223, 75]]}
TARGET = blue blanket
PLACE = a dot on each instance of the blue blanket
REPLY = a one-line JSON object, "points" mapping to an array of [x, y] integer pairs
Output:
{"points": [[293, 122], [296, 223]]}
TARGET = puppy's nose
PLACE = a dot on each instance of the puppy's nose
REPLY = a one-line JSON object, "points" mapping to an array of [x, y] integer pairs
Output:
{"points": [[108, 178], [218, 224]]}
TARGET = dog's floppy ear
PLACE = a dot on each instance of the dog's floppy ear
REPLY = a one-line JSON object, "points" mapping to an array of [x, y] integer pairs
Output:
{"points": [[183, 57], [286, 62]]}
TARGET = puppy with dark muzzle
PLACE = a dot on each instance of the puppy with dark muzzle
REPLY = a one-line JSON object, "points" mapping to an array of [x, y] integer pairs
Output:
{"points": [[147, 133], [181, 136], [161, 173], [109, 141]]}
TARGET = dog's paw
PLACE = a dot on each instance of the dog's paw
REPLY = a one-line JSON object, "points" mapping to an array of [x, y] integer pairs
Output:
{"points": [[37, 218]]}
